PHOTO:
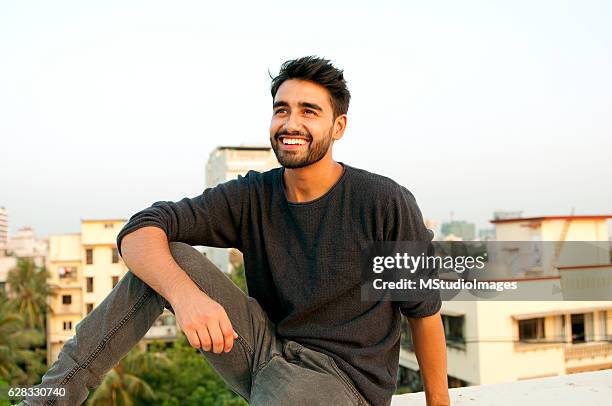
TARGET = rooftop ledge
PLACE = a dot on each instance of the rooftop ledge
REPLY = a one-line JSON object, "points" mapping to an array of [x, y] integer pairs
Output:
{"points": [[587, 388]]}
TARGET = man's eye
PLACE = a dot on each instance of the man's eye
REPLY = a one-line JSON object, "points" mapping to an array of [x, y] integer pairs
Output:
{"points": [[280, 111], [308, 111]]}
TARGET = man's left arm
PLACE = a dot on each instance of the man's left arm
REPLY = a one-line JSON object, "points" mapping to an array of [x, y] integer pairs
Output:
{"points": [[405, 223], [430, 349]]}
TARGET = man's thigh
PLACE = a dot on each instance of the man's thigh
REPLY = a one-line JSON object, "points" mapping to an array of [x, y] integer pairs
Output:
{"points": [[256, 342]]}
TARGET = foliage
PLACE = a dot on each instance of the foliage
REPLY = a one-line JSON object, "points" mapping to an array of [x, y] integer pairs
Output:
{"points": [[122, 386], [237, 276], [29, 291], [188, 379], [22, 350]]}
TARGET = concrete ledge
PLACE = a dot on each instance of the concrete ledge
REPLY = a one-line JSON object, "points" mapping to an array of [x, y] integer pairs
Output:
{"points": [[589, 388]]}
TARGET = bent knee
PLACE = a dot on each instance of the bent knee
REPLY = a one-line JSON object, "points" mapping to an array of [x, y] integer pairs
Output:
{"points": [[188, 258]]}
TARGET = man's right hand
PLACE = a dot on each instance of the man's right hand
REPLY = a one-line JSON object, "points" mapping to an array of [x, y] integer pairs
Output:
{"points": [[204, 321], [147, 254]]}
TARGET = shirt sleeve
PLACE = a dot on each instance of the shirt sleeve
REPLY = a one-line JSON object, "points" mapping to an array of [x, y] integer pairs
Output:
{"points": [[212, 219], [404, 222]]}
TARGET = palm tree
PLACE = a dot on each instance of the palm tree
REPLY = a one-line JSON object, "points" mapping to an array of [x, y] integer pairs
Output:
{"points": [[10, 325], [29, 291], [21, 350], [122, 385]]}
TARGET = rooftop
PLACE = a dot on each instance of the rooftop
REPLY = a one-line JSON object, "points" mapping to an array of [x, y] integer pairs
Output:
{"points": [[588, 388], [542, 218]]}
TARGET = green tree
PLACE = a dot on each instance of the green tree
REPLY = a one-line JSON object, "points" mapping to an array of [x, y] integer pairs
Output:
{"points": [[21, 355], [122, 386], [29, 291], [10, 327], [237, 276], [188, 380]]}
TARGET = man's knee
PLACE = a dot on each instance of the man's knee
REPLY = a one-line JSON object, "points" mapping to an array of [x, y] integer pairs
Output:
{"points": [[192, 261]]}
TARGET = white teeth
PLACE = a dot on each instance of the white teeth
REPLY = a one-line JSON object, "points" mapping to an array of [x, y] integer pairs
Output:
{"points": [[293, 141]]}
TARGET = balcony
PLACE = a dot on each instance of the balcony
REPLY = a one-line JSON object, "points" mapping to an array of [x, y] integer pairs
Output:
{"points": [[588, 350], [589, 388], [67, 310]]}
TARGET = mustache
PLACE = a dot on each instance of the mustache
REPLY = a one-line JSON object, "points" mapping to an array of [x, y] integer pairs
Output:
{"points": [[285, 132]]}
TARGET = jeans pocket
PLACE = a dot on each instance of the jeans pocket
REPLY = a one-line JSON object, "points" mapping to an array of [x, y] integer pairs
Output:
{"points": [[297, 353], [347, 381]]}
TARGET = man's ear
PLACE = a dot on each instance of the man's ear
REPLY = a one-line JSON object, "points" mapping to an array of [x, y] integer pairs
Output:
{"points": [[339, 126]]}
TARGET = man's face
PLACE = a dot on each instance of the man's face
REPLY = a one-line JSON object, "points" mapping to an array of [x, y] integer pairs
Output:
{"points": [[301, 130]]}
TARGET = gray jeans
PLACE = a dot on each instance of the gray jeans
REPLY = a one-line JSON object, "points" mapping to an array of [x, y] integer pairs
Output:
{"points": [[263, 368]]}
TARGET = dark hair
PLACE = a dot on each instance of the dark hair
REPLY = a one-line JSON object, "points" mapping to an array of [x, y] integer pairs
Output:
{"points": [[320, 71]]}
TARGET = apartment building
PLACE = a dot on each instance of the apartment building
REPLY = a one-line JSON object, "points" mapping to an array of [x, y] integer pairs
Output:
{"points": [[501, 341], [226, 163], [3, 230], [83, 269], [25, 244]]}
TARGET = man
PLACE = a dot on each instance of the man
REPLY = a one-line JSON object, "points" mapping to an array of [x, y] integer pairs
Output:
{"points": [[303, 336]]}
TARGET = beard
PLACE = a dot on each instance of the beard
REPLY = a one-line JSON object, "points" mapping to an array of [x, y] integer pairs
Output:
{"points": [[315, 150]]}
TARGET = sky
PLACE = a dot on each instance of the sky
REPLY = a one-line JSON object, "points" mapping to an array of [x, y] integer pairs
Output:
{"points": [[474, 106]]}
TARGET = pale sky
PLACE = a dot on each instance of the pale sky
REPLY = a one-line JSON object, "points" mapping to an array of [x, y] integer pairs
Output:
{"points": [[474, 106]]}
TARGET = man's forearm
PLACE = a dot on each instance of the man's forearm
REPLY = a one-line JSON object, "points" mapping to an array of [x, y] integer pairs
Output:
{"points": [[430, 350], [147, 254]]}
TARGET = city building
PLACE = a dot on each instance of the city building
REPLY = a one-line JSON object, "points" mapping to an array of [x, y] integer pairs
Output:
{"points": [[226, 163], [66, 282], [25, 244], [491, 342], [6, 264], [83, 269], [3, 230]]}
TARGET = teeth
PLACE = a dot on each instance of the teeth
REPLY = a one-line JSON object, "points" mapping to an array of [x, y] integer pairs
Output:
{"points": [[293, 141]]}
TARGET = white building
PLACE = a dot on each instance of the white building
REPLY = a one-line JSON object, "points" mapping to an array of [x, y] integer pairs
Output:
{"points": [[25, 244], [490, 342], [3, 230]]}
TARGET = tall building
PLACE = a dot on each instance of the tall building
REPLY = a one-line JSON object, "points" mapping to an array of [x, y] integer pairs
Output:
{"points": [[3, 230], [25, 244], [501, 341], [83, 269], [66, 281], [226, 163]]}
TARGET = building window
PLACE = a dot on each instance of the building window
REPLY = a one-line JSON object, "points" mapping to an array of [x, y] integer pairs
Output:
{"points": [[66, 272], [532, 330], [603, 324], [66, 299], [453, 329], [89, 284], [582, 327], [67, 325], [115, 280], [88, 307], [115, 256], [89, 256]]}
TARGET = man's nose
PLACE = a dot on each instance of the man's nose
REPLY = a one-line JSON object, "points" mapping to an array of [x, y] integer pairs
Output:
{"points": [[293, 123]]}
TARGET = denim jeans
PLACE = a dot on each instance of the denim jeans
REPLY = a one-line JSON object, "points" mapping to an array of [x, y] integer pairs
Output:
{"points": [[263, 368]]}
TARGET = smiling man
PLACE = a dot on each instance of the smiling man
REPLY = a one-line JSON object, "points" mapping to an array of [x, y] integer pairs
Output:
{"points": [[303, 336]]}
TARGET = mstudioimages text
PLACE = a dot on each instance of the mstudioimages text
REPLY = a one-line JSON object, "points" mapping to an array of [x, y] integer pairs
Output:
{"points": [[442, 284], [412, 263]]}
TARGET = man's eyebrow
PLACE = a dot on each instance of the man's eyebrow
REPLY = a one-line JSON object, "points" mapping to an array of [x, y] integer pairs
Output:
{"points": [[313, 106], [310, 106]]}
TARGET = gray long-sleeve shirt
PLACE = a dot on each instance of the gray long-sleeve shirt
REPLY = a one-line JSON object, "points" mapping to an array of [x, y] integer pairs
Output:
{"points": [[302, 261]]}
